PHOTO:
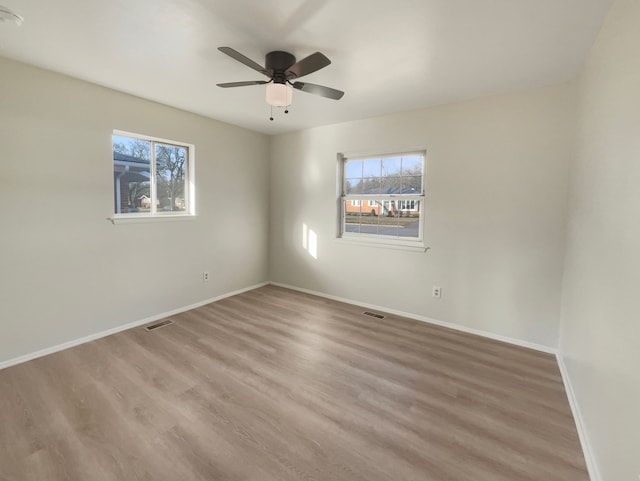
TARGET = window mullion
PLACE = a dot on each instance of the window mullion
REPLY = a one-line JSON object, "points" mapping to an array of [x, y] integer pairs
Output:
{"points": [[152, 186], [383, 197], [398, 217], [187, 176], [136, 168]]}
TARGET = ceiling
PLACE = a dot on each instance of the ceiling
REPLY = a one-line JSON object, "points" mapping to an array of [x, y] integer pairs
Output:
{"points": [[388, 56]]}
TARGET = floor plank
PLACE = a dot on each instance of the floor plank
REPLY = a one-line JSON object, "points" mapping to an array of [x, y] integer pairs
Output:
{"points": [[275, 384]]}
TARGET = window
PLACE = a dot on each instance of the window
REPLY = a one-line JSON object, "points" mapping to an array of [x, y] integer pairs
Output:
{"points": [[393, 188], [151, 177], [411, 205]]}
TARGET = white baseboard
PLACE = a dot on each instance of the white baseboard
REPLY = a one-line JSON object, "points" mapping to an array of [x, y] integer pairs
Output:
{"points": [[449, 325], [594, 472], [124, 327], [592, 467]]}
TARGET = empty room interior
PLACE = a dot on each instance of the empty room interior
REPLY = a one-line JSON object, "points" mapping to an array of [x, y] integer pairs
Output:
{"points": [[320, 240]]}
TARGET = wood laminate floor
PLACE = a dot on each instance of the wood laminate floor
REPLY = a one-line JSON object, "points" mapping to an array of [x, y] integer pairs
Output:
{"points": [[276, 385]]}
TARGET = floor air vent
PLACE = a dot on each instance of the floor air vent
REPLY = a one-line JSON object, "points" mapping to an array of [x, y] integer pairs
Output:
{"points": [[373, 314], [158, 325]]}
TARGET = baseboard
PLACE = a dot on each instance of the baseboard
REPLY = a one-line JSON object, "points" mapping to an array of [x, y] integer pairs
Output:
{"points": [[592, 467], [449, 325], [124, 327], [594, 472]]}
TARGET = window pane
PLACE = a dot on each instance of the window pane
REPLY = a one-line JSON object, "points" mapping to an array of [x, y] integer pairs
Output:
{"points": [[351, 216], [362, 221], [412, 185], [412, 165], [140, 149], [389, 226], [387, 213], [353, 169], [371, 168], [406, 226], [171, 174], [131, 175], [391, 185], [353, 186], [391, 167], [407, 205], [369, 223], [371, 185], [398, 218]]}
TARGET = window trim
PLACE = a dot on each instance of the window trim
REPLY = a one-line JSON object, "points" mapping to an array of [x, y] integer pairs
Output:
{"points": [[405, 243], [411, 209], [154, 215]]}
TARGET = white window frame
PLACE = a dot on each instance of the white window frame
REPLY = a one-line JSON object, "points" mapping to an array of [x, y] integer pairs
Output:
{"points": [[410, 243], [154, 215], [356, 203], [404, 201]]}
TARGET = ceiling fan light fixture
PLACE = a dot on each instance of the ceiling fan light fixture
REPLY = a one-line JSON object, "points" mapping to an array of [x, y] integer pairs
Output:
{"points": [[279, 95], [6, 15]]}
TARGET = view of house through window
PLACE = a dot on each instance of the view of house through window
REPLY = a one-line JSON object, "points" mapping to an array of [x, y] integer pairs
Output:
{"points": [[151, 176], [383, 196]]}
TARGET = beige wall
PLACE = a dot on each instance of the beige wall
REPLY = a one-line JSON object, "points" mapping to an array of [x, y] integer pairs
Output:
{"points": [[497, 180], [65, 271], [497, 172], [600, 328]]}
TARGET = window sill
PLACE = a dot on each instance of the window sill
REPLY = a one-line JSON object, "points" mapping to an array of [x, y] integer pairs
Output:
{"points": [[139, 219], [385, 244]]}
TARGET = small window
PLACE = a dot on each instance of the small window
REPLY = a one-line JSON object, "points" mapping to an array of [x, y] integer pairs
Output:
{"points": [[407, 205], [393, 188], [152, 177]]}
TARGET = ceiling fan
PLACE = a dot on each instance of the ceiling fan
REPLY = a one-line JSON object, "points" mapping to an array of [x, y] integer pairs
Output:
{"points": [[282, 68]]}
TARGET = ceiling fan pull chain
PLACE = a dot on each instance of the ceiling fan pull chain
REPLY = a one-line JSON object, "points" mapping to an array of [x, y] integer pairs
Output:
{"points": [[281, 67], [271, 118]]}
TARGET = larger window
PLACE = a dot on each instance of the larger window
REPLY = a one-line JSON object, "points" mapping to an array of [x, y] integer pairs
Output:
{"points": [[152, 177], [393, 188]]}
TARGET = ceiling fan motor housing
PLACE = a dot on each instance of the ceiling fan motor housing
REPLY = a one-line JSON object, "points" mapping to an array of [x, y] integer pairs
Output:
{"points": [[278, 62], [281, 68]]}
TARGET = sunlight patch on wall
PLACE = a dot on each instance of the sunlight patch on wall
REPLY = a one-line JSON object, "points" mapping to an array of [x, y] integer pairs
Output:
{"points": [[310, 241], [313, 244], [305, 236]]}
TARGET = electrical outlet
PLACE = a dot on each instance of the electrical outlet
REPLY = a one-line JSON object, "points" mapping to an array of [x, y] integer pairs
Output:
{"points": [[436, 292], [205, 276]]}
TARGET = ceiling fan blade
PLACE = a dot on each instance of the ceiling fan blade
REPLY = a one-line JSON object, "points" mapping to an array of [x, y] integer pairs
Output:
{"points": [[319, 90], [234, 54], [243, 84], [307, 65]]}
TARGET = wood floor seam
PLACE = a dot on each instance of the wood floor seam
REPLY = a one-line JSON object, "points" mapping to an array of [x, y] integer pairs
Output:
{"points": [[275, 384]]}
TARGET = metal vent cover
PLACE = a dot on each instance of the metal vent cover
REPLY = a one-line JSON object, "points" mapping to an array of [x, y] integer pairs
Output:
{"points": [[373, 314], [158, 325]]}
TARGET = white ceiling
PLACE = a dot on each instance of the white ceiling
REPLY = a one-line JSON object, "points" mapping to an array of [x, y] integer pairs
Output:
{"points": [[388, 56]]}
